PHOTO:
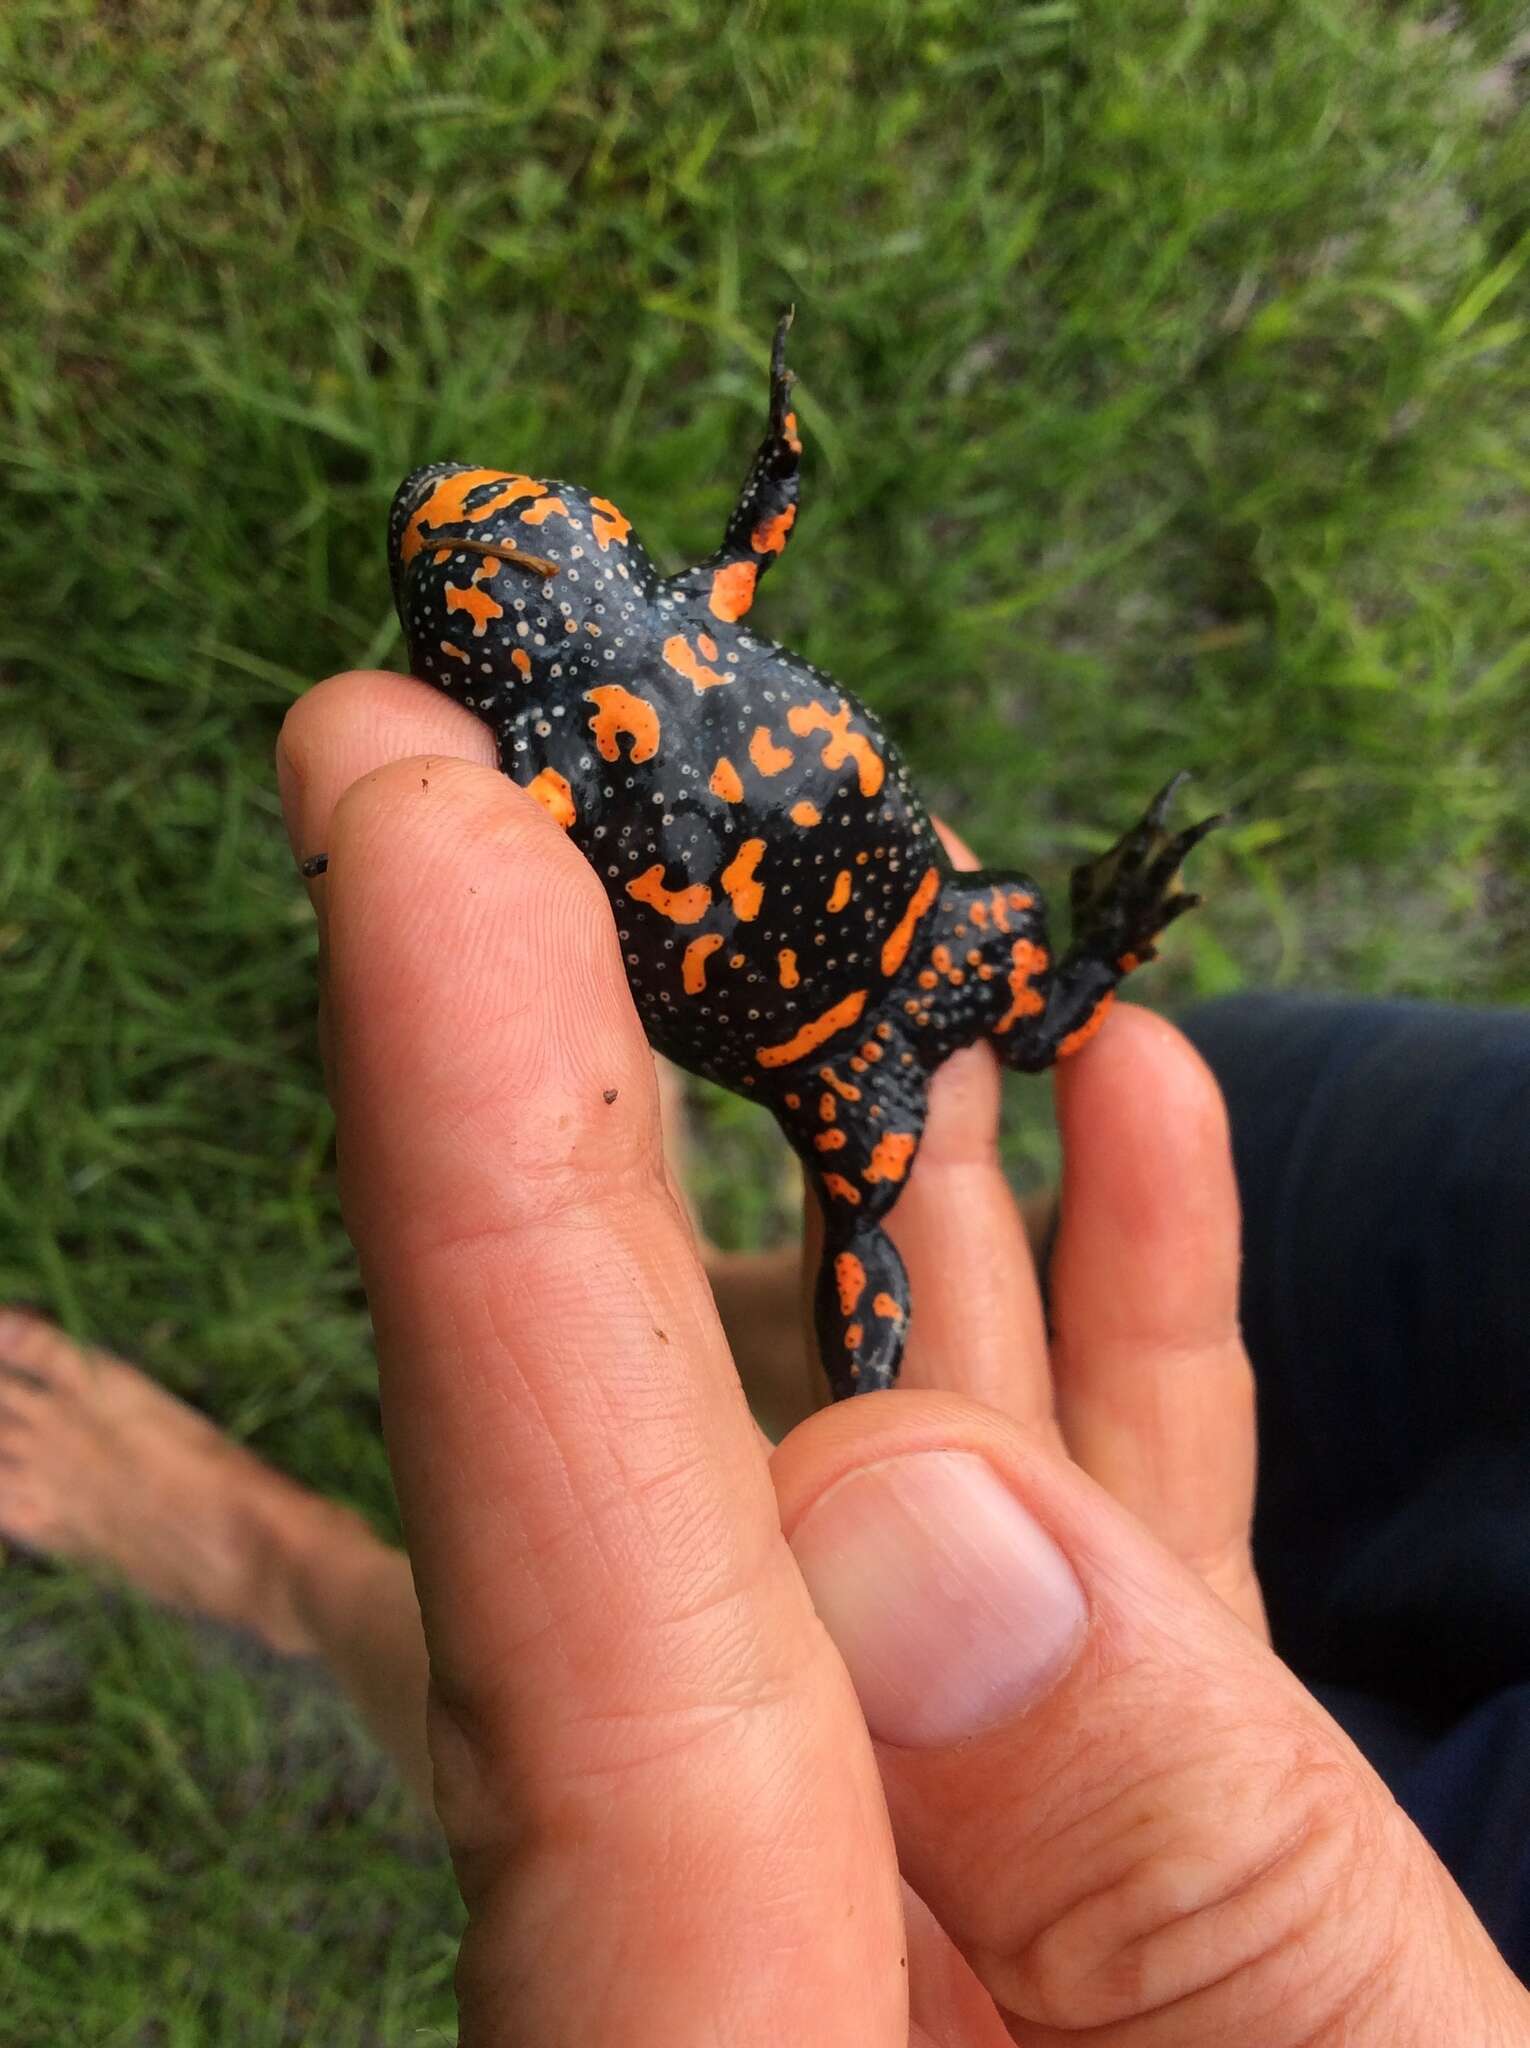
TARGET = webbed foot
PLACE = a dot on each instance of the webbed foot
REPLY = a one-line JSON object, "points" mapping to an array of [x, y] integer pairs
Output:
{"points": [[1125, 898]]}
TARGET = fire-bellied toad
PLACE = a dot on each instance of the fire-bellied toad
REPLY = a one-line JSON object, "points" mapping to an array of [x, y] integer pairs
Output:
{"points": [[790, 924]]}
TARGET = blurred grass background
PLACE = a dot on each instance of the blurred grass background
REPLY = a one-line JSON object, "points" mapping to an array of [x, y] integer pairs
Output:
{"points": [[1164, 378]]}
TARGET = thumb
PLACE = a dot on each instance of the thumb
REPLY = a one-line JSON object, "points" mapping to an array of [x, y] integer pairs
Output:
{"points": [[1123, 1808]]}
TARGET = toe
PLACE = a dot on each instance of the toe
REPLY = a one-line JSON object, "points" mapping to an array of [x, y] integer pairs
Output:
{"points": [[20, 1383], [1158, 809], [32, 1348], [19, 1399], [21, 1510]]}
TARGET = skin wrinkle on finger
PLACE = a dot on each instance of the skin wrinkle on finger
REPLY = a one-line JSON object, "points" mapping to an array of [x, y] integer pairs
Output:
{"points": [[1150, 1925], [1140, 1416], [645, 1970], [537, 1192], [584, 1389], [1184, 1465], [583, 1749]]}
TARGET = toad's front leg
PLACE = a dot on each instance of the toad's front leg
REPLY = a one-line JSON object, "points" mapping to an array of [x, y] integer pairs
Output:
{"points": [[762, 519]]}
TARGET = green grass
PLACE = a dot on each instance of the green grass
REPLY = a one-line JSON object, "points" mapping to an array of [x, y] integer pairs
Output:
{"points": [[1165, 380]]}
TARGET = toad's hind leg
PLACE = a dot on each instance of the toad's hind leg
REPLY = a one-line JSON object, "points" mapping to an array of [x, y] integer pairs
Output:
{"points": [[856, 1122], [860, 1307], [1121, 903]]}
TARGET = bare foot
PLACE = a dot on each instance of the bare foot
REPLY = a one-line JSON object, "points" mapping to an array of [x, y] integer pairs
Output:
{"points": [[101, 1466]]}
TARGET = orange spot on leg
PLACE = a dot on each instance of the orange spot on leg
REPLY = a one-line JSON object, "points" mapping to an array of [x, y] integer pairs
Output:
{"points": [[839, 896], [890, 1159], [850, 1279], [1024, 1001], [787, 961], [769, 537], [841, 1189], [733, 590], [1089, 1027]]}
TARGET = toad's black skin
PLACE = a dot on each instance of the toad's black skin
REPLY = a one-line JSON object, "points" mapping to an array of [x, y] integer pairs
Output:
{"points": [[790, 924]]}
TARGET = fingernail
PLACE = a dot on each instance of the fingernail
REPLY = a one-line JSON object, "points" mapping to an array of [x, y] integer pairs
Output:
{"points": [[952, 1608]]}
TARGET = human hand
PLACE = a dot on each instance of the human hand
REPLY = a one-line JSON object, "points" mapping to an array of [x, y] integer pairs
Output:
{"points": [[1008, 1641]]}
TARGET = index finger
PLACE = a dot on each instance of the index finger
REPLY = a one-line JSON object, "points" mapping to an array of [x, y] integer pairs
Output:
{"points": [[650, 1767]]}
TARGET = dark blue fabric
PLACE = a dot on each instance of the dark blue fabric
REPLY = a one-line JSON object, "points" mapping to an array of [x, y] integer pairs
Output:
{"points": [[1383, 1157]]}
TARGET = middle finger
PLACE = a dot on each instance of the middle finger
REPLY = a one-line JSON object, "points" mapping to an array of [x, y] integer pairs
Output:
{"points": [[977, 1326]]}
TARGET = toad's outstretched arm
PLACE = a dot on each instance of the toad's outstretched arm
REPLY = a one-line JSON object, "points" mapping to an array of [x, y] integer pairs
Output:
{"points": [[761, 521]]}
